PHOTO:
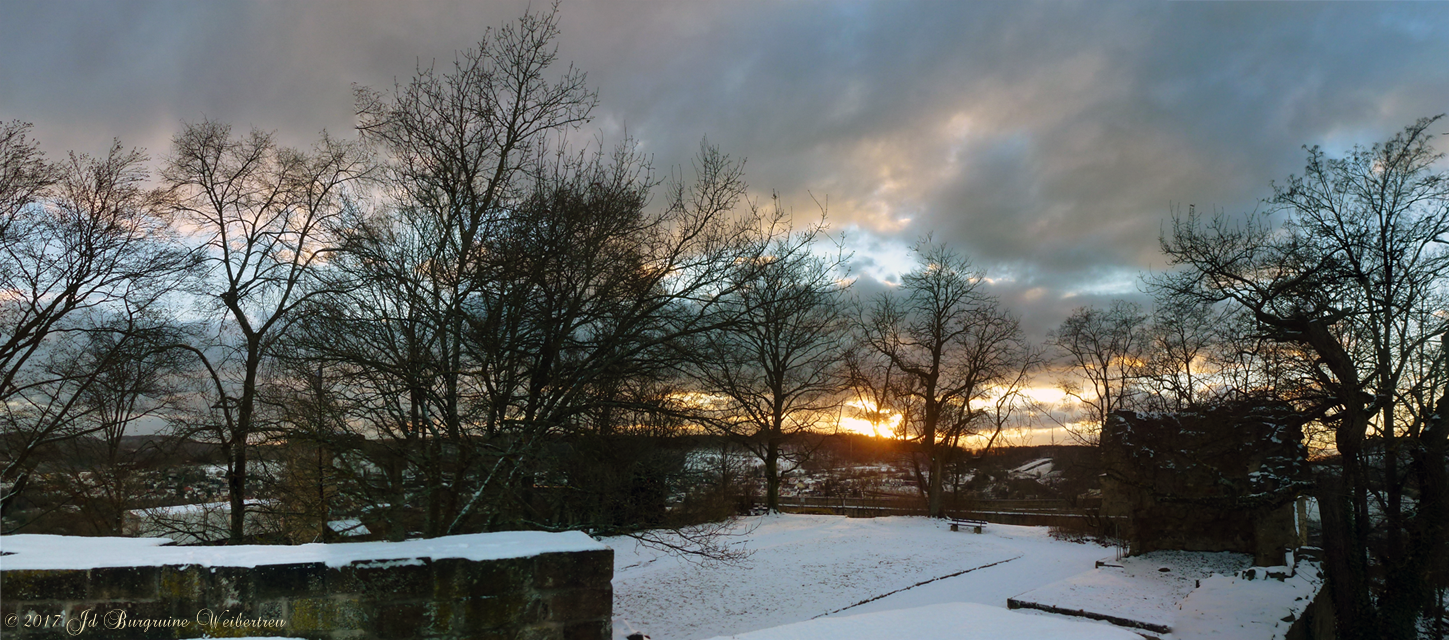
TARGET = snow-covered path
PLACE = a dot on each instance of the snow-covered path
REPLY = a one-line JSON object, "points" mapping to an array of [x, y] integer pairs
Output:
{"points": [[802, 567]]}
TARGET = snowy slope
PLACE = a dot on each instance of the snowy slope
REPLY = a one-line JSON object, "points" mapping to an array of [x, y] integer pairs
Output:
{"points": [[1036, 469]]}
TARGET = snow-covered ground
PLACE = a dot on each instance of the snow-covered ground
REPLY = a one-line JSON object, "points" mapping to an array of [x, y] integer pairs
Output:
{"points": [[835, 578], [802, 567], [1249, 605], [1145, 589], [957, 621]]}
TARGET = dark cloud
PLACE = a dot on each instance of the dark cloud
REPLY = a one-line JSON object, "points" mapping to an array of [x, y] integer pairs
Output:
{"points": [[1046, 140]]}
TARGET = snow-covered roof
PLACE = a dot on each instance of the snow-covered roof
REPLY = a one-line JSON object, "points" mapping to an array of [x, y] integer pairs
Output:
{"points": [[36, 551], [349, 527], [1038, 469]]}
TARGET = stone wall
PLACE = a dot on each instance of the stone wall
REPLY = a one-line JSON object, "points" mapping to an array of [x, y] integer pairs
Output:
{"points": [[564, 595], [1221, 479]]}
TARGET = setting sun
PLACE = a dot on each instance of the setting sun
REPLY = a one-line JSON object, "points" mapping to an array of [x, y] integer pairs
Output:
{"points": [[883, 425]]}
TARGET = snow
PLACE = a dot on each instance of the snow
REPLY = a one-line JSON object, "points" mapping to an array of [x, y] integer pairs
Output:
{"points": [[957, 620], [803, 566], [1037, 469], [349, 527], [837, 578], [35, 551], [195, 523], [192, 509], [828, 578], [1250, 605], [1136, 588]]}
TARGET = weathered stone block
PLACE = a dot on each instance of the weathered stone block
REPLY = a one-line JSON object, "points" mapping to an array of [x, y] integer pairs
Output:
{"points": [[401, 620], [279, 581], [123, 583], [390, 579], [552, 570], [462, 579], [589, 630], [508, 611], [179, 583], [43, 586], [227, 586], [580, 604], [328, 614]]}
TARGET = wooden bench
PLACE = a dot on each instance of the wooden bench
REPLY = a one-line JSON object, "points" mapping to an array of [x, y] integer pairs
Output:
{"points": [[975, 525]]}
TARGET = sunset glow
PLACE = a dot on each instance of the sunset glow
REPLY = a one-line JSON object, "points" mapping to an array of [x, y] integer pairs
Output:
{"points": [[883, 426]]}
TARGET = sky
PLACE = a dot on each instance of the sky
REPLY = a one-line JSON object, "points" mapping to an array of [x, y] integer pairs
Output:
{"points": [[1049, 142]]}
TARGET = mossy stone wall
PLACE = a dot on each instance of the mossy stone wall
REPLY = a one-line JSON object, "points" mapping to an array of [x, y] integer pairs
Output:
{"points": [[551, 595]]}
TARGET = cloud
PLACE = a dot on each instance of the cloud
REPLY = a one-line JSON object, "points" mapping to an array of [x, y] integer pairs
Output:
{"points": [[1046, 140]]}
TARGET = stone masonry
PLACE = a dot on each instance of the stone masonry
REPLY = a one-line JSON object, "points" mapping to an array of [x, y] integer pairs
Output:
{"points": [[563, 595], [1224, 478]]}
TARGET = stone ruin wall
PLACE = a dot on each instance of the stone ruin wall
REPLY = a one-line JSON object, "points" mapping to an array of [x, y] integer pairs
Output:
{"points": [[1223, 479], [563, 595]]}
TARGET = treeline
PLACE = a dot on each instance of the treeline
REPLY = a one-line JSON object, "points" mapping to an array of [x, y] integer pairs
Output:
{"points": [[456, 322]]}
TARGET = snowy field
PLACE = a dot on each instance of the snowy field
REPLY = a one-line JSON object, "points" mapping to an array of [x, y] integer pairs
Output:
{"points": [[802, 567]]}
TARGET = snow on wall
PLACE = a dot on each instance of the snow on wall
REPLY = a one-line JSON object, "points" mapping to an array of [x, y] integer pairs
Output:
{"points": [[48, 552]]}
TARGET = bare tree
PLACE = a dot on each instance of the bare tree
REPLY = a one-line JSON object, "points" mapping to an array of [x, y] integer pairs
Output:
{"points": [[513, 295], [24, 174], [1104, 349], [134, 378], [460, 149], [603, 295], [775, 371], [81, 240], [1354, 282], [573, 322], [952, 346], [266, 215], [1177, 369]]}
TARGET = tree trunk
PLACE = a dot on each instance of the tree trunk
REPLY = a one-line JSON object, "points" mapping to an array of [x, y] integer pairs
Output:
{"points": [[1333, 510], [772, 476], [936, 506], [236, 482]]}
